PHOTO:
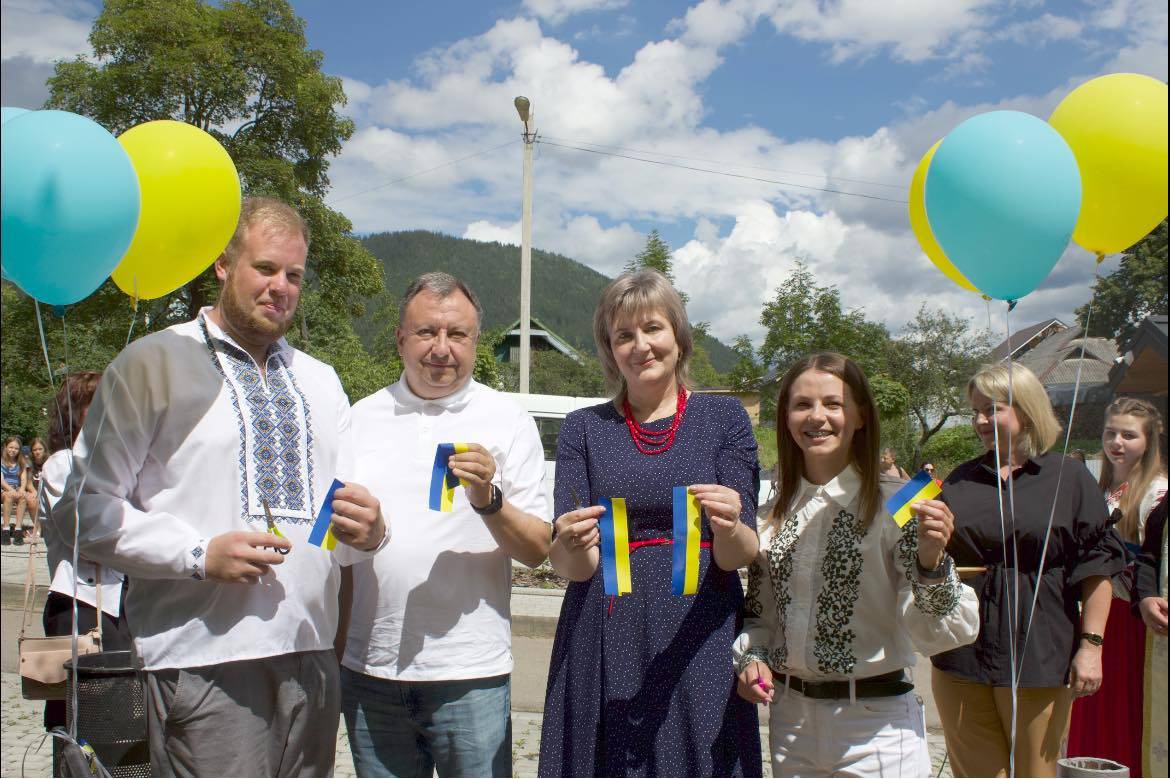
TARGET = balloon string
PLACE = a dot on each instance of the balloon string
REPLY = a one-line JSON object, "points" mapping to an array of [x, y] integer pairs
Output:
{"points": [[1064, 452], [1013, 597]]}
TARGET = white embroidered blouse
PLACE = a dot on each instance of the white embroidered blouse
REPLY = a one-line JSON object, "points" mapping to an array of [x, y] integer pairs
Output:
{"points": [[828, 602], [186, 440]]}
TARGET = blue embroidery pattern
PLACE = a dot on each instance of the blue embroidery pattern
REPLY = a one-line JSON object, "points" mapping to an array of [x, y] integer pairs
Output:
{"points": [[272, 419]]}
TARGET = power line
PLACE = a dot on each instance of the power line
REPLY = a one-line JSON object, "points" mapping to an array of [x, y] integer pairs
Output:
{"points": [[420, 173], [726, 173], [729, 164]]}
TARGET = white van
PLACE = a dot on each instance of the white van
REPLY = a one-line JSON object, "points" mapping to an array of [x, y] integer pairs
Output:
{"points": [[549, 412]]}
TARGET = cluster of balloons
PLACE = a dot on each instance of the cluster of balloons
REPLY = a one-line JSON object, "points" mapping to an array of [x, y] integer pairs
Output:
{"points": [[994, 203], [152, 208]]}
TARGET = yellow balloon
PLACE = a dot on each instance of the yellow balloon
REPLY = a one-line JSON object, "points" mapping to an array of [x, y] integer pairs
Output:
{"points": [[1116, 127], [921, 225], [190, 207]]}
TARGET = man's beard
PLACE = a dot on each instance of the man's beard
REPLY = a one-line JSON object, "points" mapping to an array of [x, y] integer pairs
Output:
{"points": [[247, 322]]}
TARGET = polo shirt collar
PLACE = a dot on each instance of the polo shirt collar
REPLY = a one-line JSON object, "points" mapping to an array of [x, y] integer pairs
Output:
{"points": [[841, 489], [405, 399]]}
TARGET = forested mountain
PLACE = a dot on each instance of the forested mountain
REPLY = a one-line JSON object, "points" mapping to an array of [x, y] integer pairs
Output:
{"points": [[564, 291]]}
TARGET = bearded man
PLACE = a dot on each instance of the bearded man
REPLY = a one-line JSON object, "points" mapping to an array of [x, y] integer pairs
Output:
{"points": [[206, 457]]}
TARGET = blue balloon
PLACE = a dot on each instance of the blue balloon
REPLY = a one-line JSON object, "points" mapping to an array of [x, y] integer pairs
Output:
{"points": [[10, 112], [1003, 194], [70, 204]]}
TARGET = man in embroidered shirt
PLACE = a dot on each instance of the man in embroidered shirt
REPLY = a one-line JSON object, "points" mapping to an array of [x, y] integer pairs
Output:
{"points": [[426, 676], [195, 435]]}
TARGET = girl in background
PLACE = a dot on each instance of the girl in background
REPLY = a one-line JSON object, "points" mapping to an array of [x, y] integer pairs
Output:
{"points": [[14, 470], [1109, 724]]}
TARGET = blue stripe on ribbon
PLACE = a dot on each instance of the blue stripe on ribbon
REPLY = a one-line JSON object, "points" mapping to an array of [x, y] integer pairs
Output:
{"points": [[608, 557], [324, 516], [678, 571], [440, 476]]}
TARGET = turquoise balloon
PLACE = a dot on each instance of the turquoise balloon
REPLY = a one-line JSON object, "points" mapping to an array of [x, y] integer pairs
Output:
{"points": [[10, 112], [70, 204], [1003, 194]]}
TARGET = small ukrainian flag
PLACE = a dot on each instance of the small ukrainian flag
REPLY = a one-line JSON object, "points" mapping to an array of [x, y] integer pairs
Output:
{"points": [[921, 487], [322, 533], [684, 575], [443, 482], [615, 547]]}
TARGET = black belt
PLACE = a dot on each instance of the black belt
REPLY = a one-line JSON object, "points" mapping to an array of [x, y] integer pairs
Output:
{"points": [[885, 685]]}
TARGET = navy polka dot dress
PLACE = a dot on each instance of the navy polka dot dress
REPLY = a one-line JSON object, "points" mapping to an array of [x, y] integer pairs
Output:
{"points": [[645, 686]]}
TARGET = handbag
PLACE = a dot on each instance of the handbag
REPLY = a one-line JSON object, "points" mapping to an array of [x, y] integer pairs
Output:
{"points": [[42, 660]]}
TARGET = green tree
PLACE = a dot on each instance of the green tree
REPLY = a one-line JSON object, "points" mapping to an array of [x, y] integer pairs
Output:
{"points": [[747, 375], [241, 71], [805, 317], [1137, 289], [933, 358], [951, 446], [554, 373]]}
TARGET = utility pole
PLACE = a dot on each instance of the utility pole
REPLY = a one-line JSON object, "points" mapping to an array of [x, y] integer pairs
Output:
{"points": [[524, 108]]}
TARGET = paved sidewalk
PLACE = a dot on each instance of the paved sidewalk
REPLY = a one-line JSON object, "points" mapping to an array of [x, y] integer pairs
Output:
{"points": [[21, 735]]}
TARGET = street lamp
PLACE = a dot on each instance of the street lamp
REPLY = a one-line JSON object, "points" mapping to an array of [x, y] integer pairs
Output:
{"points": [[524, 109]]}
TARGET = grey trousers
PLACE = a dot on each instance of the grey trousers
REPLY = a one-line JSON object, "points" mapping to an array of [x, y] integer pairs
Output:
{"points": [[276, 716]]}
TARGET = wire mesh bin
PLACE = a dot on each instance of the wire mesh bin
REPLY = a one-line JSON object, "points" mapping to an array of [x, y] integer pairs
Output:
{"points": [[111, 711]]}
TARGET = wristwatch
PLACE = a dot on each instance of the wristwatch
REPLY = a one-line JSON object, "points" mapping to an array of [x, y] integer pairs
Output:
{"points": [[943, 570], [1096, 639], [493, 505]]}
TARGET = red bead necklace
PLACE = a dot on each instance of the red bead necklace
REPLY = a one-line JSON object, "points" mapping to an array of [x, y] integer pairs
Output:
{"points": [[655, 441]]}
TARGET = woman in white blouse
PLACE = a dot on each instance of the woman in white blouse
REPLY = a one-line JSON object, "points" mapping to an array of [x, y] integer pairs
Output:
{"points": [[840, 597], [66, 415]]}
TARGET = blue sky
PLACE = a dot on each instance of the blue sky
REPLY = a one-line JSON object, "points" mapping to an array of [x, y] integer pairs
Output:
{"points": [[845, 95]]}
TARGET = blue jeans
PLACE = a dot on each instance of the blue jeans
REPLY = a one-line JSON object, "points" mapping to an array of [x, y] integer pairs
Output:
{"points": [[459, 728]]}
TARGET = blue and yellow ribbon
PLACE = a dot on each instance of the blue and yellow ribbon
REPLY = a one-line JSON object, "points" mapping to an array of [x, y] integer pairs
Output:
{"points": [[443, 481], [322, 533], [921, 487], [615, 546], [684, 577]]}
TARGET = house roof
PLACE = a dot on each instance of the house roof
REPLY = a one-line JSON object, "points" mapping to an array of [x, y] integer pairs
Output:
{"points": [[1055, 360], [539, 329], [1023, 339], [1143, 369]]}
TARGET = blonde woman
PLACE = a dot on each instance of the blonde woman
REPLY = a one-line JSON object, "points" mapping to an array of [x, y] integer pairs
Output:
{"points": [[1133, 481], [642, 684], [840, 598], [1002, 502]]}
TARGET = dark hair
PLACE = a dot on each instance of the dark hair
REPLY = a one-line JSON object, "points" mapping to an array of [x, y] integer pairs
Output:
{"points": [[441, 285], [31, 461], [866, 439], [69, 406]]}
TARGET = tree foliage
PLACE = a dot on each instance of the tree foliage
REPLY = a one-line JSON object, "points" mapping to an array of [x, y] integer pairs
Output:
{"points": [[241, 71], [747, 375], [554, 373], [933, 359], [1137, 289], [804, 316]]}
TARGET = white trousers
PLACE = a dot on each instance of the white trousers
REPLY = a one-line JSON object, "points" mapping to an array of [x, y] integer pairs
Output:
{"points": [[871, 737]]}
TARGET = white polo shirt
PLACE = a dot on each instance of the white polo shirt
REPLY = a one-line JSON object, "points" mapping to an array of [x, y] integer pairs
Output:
{"points": [[434, 603], [184, 441]]}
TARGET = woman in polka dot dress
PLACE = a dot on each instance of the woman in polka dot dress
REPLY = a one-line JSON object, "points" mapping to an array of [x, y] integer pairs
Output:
{"points": [[643, 684]]}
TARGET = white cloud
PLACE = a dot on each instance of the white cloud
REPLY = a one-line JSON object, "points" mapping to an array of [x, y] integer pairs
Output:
{"points": [[912, 30], [557, 11], [44, 31], [747, 234], [1042, 29]]}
